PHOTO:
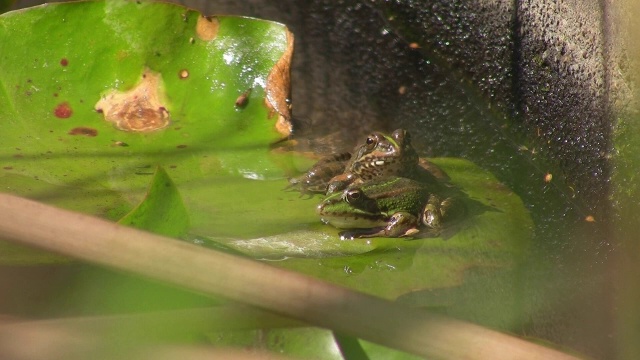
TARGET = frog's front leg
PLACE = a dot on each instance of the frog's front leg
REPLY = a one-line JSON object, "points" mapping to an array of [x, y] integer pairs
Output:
{"points": [[400, 224], [316, 179], [341, 182]]}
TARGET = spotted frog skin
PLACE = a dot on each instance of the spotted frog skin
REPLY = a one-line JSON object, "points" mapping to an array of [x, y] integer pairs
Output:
{"points": [[387, 207], [379, 155]]}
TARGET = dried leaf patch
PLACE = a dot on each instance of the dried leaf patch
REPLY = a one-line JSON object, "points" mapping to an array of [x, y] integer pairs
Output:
{"points": [[140, 109], [278, 89], [207, 27]]}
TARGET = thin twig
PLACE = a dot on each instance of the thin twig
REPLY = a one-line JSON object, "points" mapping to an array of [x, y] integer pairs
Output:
{"points": [[259, 284]]}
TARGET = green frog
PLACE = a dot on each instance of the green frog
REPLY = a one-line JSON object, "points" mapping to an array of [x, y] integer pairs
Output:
{"points": [[387, 207], [379, 155]]}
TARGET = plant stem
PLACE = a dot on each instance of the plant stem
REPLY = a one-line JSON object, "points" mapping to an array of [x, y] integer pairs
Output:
{"points": [[284, 292]]}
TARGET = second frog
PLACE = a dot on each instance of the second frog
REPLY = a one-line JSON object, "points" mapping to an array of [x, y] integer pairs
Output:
{"points": [[379, 155]]}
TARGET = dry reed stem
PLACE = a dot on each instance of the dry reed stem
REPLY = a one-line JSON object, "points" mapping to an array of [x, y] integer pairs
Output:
{"points": [[284, 292]]}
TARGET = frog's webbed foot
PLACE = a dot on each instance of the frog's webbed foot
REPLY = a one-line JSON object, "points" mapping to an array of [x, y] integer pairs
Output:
{"points": [[439, 213], [299, 184], [295, 184], [401, 224]]}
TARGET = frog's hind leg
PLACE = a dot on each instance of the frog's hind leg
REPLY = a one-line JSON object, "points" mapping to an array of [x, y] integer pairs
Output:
{"points": [[401, 224], [361, 233], [438, 212]]}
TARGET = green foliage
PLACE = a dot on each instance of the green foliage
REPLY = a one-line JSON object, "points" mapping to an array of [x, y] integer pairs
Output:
{"points": [[162, 210], [56, 147]]}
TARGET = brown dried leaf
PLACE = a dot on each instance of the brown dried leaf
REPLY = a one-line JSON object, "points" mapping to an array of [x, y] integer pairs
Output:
{"points": [[140, 109], [278, 88]]}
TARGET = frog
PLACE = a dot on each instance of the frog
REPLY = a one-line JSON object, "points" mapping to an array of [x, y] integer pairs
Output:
{"points": [[388, 207], [379, 155]]}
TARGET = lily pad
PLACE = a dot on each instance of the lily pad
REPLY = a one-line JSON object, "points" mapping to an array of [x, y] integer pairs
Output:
{"points": [[97, 94], [495, 235]]}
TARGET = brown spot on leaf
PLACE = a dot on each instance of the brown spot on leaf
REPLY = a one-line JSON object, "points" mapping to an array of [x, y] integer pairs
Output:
{"points": [[81, 130], [279, 89], [64, 62], [140, 109], [8, 167], [181, 146], [183, 74], [63, 110], [243, 99], [207, 27]]}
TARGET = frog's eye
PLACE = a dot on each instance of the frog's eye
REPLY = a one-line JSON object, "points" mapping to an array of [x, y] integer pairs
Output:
{"points": [[353, 196], [371, 143], [371, 140], [359, 200]]}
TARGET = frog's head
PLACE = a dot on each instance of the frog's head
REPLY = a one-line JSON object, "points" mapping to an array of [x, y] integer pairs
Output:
{"points": [[350, 209], [383, 155]]}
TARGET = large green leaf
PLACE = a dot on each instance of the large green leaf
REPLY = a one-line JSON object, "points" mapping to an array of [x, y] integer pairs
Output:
{"points": [[58, 148], [74, 55]]}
